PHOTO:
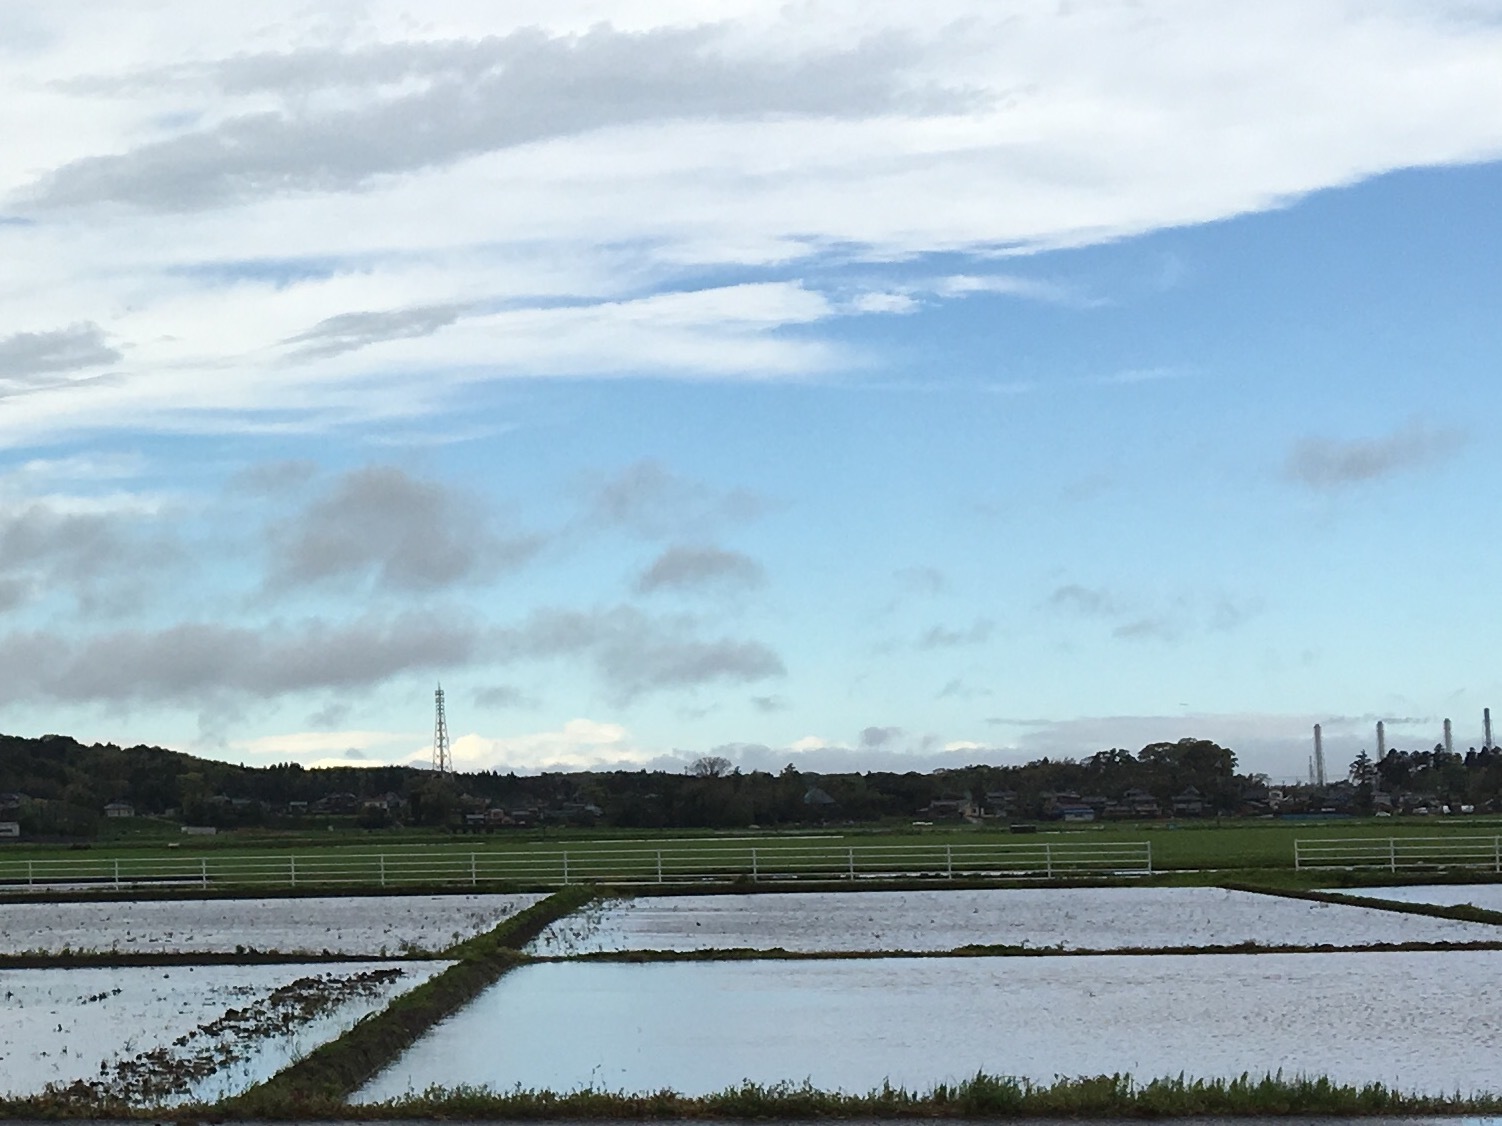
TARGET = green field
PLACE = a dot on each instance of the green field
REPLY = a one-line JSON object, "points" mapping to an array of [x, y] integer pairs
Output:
{"points": [[1197, 851]]}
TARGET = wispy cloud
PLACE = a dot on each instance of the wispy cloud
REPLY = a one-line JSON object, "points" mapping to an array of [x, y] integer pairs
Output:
{"points": [[650, 500], [1329, 464], [945, 637], [1082, 599], [635, 654], [27, 356], [682, 568], [344, 118]]}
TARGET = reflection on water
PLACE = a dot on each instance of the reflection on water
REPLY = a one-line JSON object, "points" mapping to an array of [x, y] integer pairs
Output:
{"points": [[1074, 918], [1415, 1021]]}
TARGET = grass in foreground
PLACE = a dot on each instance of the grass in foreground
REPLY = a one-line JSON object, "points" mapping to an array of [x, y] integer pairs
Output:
{"points": [[981, 1097]]}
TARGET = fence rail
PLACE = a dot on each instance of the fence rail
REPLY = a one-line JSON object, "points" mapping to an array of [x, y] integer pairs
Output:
{"points": [[450, 867], [1399, 853]]}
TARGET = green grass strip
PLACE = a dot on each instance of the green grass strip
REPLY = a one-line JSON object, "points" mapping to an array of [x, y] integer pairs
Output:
{"points": [[1462, 912], [981, 1097], [975, 950], [328, 1074]]}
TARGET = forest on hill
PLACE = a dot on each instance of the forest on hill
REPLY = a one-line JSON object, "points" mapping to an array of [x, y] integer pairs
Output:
{"points": [[54, 786]]}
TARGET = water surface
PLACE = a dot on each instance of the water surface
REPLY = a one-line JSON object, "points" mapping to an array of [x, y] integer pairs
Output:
{"points": [[1416, 1021]]}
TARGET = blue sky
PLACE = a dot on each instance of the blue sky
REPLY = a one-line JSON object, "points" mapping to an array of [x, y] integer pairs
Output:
{"points": [[845, 387]]}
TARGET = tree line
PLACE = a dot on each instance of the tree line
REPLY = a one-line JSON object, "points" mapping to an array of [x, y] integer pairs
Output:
{"points": [[63, 786]]}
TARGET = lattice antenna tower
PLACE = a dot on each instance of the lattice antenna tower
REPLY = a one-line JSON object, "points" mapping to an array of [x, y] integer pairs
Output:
{"points": [[441, 761]]}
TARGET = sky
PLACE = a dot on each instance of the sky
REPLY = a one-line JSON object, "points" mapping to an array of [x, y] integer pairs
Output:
{"points": [[861, 385]]}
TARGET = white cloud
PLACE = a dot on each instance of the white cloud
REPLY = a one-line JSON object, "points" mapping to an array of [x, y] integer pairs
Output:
{"points": [[580, 744], [314, 747], [693, 138]]}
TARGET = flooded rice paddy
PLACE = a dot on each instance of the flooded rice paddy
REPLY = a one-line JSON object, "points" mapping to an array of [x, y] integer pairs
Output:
{"points": [[1071, 919], [1418, 1021], [383, 926], [171, 1034], [1428, 1022]]}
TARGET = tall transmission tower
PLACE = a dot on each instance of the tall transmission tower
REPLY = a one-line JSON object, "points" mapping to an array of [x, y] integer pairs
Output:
{"points": [[440, 734]]}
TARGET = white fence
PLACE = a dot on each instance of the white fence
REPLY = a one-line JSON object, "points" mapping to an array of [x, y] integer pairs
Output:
{"points": [[447, 866], [1398, 853]]}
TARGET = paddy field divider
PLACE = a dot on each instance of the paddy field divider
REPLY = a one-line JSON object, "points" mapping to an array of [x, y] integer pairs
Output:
{"points": [[330, 1073], [449, 867]]}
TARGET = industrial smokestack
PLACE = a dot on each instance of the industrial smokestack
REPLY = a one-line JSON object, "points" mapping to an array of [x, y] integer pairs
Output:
{"points": [[1319, 757], [1381, 741], [1486, 726], [1449, 739]]}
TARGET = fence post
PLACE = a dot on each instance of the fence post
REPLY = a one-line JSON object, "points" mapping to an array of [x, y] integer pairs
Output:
{"points": [[659, 866], [949, 860], [292, 870], [383, 869], [1497, 854], [852, 863], [30, 874], [1048, 860], [474, 871], [203, 871], [1392, 854], [1149, 846], [117, 874]]}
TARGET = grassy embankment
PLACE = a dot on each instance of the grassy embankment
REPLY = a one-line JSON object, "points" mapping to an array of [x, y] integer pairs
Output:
{"points": [[981, 1097]]}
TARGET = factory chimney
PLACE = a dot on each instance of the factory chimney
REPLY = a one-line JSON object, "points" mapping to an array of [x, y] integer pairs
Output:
{"points": [[1486, 724], [1319, 757], [1381, 741], [1449, 739]]}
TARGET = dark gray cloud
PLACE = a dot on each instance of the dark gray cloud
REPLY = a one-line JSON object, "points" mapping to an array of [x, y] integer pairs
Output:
{"points": [[402, 532], [942, 637], [104, 560], [391, 109], [694, 568], [1327, 464], [69, 545], [194, 662], [877, 737], [350, 331], [634, 654], [649, 500], [29, 357], [767, 705]]}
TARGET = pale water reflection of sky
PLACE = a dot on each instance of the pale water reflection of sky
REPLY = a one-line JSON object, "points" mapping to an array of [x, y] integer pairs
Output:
{"points": [[1416, 1021]]}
